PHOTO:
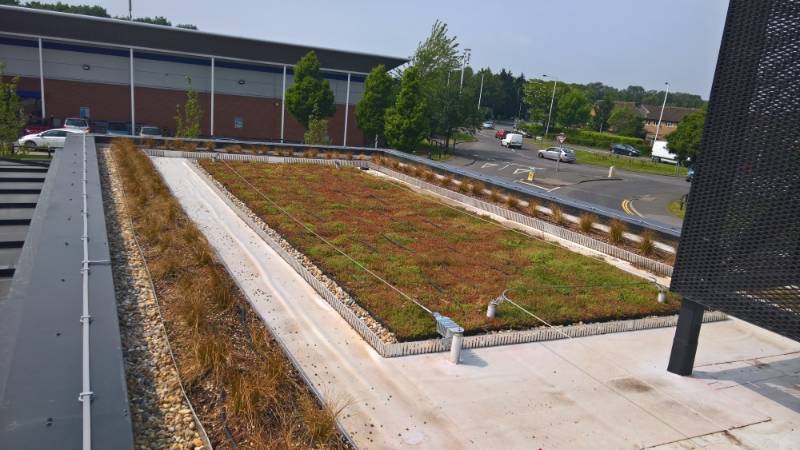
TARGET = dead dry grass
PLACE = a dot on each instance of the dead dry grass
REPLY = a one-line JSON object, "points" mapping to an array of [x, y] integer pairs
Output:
{"points": [[236, 375], [452, 262]]}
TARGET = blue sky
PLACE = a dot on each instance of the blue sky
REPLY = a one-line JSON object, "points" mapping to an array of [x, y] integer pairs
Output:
{"points": [[618, 42]]}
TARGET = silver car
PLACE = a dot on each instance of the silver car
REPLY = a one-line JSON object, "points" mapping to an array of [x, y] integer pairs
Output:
{"points": [[564, 154]]}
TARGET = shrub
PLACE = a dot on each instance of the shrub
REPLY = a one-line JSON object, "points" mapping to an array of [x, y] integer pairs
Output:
{"points": [[512, 202], [446, 181], [211, 146], [463, 186], [476, 187], [310, 153], [494, 196], [428, 176], [533, 208], [616, 228], [556, 213], [586, 221], [233, 148], [646, 245]]}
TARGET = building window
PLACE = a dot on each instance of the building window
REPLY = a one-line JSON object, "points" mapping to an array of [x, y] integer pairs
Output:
{"points": [[238, 122]]}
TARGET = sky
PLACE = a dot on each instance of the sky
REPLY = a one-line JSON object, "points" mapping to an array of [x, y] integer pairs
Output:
{"points": [[617, 42]]}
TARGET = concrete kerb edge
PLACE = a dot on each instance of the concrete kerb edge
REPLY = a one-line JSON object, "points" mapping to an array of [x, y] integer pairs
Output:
{"points": [[390, 350]]}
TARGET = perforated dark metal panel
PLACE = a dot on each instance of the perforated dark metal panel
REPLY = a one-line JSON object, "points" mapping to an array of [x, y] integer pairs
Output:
{"points": [[740, 249]]}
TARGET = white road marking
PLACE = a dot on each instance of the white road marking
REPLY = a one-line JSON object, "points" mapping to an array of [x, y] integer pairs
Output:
{"points": [[485, 165], [526, 170], [505, 166], [537, 186]]}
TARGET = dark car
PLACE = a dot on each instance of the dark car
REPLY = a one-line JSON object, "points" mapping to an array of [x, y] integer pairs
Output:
{"points": [[99, 127], [625, 149], [690, 174]]}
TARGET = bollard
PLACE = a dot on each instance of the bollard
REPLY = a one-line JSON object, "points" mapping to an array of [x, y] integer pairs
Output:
{"points": [[491, 310], [611, 172], [662, 295], [455, 347]]}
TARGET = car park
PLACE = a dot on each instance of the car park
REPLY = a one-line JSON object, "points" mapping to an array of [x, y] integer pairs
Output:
{"points": [[563, 154], [150, 131], [50, 138], [512, 140], [488, 125], [77, 124], [625, 149]]}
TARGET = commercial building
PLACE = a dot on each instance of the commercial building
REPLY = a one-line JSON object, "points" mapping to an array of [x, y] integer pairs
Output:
{"points": [[116, 70]]}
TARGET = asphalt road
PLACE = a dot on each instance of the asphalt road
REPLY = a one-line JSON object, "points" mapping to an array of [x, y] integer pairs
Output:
{"points": [[636, 194]]}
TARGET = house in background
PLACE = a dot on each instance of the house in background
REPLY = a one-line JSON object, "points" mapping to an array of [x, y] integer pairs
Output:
{"points": [[650, 113]]}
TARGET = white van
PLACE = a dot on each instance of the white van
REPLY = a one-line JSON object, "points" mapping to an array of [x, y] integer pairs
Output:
{"points": [[512, 140], [661, 153]]}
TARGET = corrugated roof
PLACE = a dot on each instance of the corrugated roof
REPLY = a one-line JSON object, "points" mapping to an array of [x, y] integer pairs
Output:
{"points": [[156, 37]]}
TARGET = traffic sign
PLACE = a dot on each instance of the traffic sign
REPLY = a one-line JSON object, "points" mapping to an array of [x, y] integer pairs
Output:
{"points": [[561, 138]]}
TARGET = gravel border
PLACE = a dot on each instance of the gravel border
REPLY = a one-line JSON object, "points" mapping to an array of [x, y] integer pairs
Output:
{"points": [[161, 415]]}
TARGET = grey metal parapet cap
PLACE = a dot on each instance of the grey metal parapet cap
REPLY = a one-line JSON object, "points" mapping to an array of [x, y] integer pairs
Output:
{"points": [[134, 34]]}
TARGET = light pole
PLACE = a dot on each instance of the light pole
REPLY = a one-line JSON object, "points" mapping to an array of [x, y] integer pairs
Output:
{"points": [[480, 93], [519, 101], [660, 116], [464, 62], [552, 99]]}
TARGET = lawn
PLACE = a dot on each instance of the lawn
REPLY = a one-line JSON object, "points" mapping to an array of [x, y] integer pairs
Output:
{"points": [[644, 165], [450, 261], [676, 209]]}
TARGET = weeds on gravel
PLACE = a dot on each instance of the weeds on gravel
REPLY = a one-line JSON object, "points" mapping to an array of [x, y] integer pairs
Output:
{"points": [[556, 213], [476, 188], [225, 356], [646, 245], [512, 202]]}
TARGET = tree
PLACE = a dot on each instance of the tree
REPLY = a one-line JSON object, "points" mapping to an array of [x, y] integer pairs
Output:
{"points": [[623, 120], [685, 140], [157, 20], [406, 124], [188, 121], [186, 26], [437, 54], [602, 112], [573, 109], [371, 109], [536, 96], [310, 92], [12, 118], [317, 133]]}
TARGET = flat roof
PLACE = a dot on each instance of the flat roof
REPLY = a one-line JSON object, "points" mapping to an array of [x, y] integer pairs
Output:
{"points": [[99, 30]]}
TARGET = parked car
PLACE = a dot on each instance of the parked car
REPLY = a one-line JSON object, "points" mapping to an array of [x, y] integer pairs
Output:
{"points": [[500, 134], [512, 140], [77, 124], [150, 131], [35, 126], [661, 153], [118, 129], [563, 154], [488, 125], [522, 132], [690, 174], [49, 138], [99, 127], [625, 149]]}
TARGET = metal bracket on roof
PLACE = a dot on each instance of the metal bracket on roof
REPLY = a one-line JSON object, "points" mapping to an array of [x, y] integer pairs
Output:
{"points": [[82, 396]]}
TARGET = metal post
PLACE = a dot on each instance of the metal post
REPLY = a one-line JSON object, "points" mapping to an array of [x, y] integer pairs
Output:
{"points": [[212, 95], [41, 80], [283, 102], [660, 116], [346, 109], [684, 345], [552, 99], [464, 60], [133, 101], [480, 93], [455, 347]]}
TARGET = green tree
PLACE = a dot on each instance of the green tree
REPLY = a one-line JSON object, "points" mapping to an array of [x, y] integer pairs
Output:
{"points": [[157, 20], [371, 109], [86, 10], [536, 96], [188, 120], [624, 120], [186, 26], [602, 112], [310, 92], [573, 109], [317, 133], [406, 124], [437, 54], [12, 118], [685, 140]]}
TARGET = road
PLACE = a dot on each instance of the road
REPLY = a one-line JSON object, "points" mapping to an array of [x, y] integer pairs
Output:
{"points": [[636, 194]]}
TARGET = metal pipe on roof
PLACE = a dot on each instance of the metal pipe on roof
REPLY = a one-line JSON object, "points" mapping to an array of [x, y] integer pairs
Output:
{"points": [[283, 102], [85, 397], [133, 104], [212, 96], [346, 109], [41, 79]]}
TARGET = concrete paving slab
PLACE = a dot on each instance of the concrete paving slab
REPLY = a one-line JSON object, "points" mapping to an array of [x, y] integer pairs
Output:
{"points": [[609, 391]]}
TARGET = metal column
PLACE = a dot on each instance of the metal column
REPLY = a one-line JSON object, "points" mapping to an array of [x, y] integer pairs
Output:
{"points": [[133, 104], [212, 96], [283, 102], [41, 80], [684, 345], [346, 109]]}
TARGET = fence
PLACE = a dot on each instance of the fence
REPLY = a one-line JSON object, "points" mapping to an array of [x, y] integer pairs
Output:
{"points": [[389, 350]]}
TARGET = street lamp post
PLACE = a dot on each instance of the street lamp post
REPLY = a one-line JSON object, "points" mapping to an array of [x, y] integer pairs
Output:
{"points": [[552, 99], [660, 116], [464, 62], [480, 93]]}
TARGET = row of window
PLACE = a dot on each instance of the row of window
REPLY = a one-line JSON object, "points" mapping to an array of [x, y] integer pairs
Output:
{"points": [[663, 124]]}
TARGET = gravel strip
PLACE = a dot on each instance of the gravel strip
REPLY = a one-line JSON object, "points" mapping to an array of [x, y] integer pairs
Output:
{"points": [[383, 333], [160, 414]]}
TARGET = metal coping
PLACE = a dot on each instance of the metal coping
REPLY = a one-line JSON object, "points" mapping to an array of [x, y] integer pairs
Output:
{"points": [[124, 33], [661, 230], [40, 322]]}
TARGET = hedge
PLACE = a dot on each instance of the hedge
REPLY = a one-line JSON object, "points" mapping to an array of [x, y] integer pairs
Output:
{"points": [[590, 138]]}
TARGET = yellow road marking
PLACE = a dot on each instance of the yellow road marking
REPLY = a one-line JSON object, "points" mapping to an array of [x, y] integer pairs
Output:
{"points": [[627, 206]]}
